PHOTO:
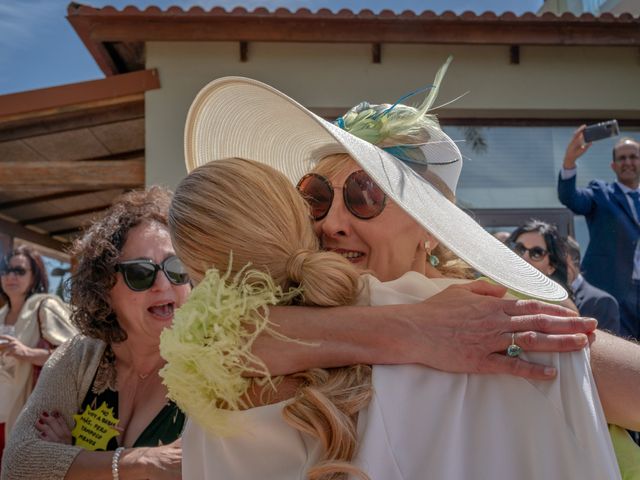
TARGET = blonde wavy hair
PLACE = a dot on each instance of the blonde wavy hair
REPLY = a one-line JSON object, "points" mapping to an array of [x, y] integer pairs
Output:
{"points": [[249, 209], [450, 265]]}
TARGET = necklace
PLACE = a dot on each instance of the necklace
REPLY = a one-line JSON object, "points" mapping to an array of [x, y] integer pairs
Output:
{"points": [[106, 374], [144, 376]]}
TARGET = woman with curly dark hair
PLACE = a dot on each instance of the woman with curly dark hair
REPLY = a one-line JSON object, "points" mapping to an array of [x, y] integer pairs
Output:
{"points": [[540, 244], [100, 409], [32, 324]]}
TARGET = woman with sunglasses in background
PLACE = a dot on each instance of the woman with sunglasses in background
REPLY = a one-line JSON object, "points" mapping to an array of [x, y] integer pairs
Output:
{"points": [[32, 324], [540, 244], [100, 409]]}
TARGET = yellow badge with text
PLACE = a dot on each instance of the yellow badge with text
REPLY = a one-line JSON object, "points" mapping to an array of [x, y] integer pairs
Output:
{"points": [[95, 428]]}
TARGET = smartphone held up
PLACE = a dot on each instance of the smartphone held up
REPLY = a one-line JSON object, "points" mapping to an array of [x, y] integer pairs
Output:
{"points": [[601, 130]]}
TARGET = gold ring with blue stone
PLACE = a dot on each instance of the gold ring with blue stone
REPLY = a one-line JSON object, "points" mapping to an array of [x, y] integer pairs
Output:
{"points": [[513, 350]]}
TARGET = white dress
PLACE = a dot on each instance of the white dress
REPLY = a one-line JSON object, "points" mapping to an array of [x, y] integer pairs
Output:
{"points": [[427, 424]]}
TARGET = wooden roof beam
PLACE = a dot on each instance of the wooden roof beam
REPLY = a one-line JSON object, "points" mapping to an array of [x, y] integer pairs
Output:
{"points": [[65, 120], [67, 231], [50, 101], [43, 198], [100, 174], [63, 215], [18, 231]]}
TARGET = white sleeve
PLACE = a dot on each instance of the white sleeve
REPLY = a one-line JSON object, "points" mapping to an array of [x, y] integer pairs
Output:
{"points": [[567, 173]]}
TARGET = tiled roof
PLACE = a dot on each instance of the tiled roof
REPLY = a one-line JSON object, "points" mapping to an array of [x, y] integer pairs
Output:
{"points": [[345, 13], [116, 38]]}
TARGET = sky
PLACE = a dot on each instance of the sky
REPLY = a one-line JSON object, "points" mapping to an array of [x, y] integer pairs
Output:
{"points": [[39, 48]]}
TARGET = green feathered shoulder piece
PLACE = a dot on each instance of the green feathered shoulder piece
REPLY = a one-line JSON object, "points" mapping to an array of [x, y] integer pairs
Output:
{"points": [[208, 347]]}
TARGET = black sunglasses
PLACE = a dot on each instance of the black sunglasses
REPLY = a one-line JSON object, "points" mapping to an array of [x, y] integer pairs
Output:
{"points": [[19, 271], [535, 253], [362, 197], [140, 275]]}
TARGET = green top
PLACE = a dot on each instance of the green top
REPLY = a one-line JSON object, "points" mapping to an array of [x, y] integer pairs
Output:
{"points": [[165, 428], [627, 453]]}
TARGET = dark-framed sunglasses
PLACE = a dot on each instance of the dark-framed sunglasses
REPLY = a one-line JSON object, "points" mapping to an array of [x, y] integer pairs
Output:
{"points": [[140, 275], [18, 271], [535, 253], [362, 197]]}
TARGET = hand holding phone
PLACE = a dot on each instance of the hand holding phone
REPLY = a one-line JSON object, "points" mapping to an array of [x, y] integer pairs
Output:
{"points": [[601, 130]]}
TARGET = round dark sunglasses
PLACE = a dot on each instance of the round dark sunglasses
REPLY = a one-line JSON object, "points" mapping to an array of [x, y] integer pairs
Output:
{"points": [[140, 275], [362, 197], [535, 253], [19, 271]]}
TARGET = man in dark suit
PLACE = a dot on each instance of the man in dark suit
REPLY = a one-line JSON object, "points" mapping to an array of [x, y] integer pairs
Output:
{"points": [[591, 301], [612, 260]]}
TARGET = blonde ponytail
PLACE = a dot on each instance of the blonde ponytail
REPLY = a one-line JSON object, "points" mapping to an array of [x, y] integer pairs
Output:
{"points": [[326, 406]]}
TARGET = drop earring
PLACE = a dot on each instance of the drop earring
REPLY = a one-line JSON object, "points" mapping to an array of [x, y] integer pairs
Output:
{"points": [[433, 259]]}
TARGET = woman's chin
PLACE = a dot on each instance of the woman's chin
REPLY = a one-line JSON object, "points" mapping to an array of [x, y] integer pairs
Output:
{"points": [[13, 290]]}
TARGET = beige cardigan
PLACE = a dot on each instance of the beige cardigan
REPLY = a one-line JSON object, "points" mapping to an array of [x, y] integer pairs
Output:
{"points": [[64, 382], [17, 376]]}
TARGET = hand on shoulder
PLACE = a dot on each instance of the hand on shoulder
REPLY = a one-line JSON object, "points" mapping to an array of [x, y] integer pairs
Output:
{"points": [[467, 329]]}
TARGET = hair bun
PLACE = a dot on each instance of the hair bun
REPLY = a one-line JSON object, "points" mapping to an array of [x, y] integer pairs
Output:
{"points": [[295, 265]]}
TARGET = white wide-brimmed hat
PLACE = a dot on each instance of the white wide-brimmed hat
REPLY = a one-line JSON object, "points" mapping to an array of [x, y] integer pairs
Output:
{"points": [[241, 117]]}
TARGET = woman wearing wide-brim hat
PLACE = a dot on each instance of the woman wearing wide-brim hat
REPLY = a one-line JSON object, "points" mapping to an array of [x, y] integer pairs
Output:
{"points": [[469, 415]]}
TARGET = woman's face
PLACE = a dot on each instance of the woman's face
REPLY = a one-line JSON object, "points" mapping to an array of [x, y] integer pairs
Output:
{"points": [[389, 244], [143, 315], [14, 284], [531, 240]]}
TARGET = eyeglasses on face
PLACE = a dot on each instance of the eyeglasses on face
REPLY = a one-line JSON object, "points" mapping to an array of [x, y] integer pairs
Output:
{"points": [[18, 271], [140, 275], [631, 157], [535, 253], [362, 197]]}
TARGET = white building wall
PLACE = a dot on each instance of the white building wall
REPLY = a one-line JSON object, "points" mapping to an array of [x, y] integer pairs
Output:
{"points": [[549, 82]]}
